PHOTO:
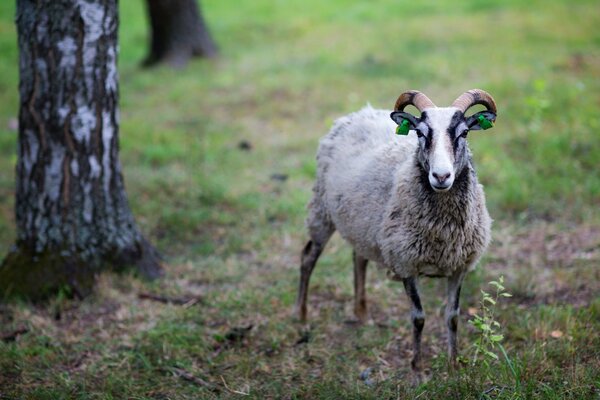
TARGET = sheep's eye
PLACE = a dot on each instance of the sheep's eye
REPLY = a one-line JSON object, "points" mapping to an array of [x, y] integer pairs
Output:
{"points": [[463, 133], [419, 133]]}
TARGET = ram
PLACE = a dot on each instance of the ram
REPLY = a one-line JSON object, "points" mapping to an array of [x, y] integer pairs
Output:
{"points": [[409, 202]]}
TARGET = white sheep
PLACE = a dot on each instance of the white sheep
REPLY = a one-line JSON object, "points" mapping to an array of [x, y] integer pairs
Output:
{"points": [[412, 203]]}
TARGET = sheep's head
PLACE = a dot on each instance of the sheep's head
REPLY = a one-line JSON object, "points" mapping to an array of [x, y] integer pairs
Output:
{"points": [[442, 132]]}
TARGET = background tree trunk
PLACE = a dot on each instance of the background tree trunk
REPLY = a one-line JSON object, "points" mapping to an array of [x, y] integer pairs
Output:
{"points": [[178, 32], [73, 218]]}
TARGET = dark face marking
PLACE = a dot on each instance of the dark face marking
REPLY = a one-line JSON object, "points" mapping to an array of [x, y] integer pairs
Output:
{"points": [[457, 131], [424, 132], [457, 118], [443, 153]]}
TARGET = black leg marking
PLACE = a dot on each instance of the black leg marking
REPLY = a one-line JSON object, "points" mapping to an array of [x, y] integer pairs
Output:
{"points": [[417, 318]]}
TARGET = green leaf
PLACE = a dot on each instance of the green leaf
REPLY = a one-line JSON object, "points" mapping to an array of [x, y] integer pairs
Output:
{"points": [[496, 338], [477, 324], [489, 300]]}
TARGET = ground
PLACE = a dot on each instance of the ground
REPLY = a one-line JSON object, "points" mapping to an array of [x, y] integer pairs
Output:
{"points": [[219, 162]]}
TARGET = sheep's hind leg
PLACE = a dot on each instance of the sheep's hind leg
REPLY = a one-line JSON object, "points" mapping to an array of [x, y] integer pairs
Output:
{"points": [[417, 317], [451, 314], [310, 255], [360, 296], [320, 229]]}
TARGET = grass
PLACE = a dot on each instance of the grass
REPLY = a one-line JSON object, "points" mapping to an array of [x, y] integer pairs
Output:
{"points": [[232, 233]]}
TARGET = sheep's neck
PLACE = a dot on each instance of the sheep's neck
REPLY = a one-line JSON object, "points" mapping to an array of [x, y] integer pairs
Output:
{"points": [[454, 202]]}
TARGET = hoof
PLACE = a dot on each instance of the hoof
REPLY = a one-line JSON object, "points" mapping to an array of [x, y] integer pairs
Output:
{"points": [[418, 378], [361, 316]]}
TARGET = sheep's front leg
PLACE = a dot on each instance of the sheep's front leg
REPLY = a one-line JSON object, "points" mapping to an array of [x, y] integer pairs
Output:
{"points": [[360, 296], [451, 314], [418, 320]]}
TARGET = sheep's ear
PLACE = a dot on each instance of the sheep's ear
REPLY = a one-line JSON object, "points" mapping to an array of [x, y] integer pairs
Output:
{"points": [[481, 120], [400, 116], [405, 122]]}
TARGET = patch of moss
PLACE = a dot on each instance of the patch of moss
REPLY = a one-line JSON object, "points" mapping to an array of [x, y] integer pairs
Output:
{"points": [[37, 275]]}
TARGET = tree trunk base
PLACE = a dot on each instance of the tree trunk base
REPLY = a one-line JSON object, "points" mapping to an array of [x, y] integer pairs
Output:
{"points": [[141, 257], [178, 33], [37, 276], [174, 59]]}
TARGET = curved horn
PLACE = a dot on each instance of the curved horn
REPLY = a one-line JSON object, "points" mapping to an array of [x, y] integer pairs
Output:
{"points": [[415, 98], [475, 96]]}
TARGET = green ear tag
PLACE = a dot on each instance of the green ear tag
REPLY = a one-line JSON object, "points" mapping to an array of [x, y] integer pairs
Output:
{"points": [[485, 123], [403, 128]]}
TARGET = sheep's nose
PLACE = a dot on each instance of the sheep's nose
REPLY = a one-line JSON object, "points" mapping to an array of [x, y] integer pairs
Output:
{"points": [[441, 178]]}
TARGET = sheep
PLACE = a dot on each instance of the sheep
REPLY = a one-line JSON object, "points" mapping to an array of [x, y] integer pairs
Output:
{"points": [[412, 204]]}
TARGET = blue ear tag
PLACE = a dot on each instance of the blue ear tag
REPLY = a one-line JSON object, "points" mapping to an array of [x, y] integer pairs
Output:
{"points": [[403, 128], [484, 123]]}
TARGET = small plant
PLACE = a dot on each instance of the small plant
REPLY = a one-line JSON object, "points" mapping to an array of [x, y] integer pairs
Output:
{"points": [[489, 341]]}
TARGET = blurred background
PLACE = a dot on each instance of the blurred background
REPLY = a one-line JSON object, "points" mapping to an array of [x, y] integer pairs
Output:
{"points": [[218, 159]]}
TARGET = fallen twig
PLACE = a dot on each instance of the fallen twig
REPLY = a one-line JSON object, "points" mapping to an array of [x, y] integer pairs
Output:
{"points": [[493, 388], [233, 390], [12, 336], [186, 302], [194, 379]]}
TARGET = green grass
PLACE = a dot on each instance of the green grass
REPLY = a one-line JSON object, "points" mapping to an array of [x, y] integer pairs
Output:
{"points": [[232, 234]]}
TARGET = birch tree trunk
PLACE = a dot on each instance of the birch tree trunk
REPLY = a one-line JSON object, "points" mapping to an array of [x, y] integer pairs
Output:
{"points": [[72, 214], [178, 32]]}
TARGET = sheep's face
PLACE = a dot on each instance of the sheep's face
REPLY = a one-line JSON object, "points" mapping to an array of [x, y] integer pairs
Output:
{"points": [[442, 133]]}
